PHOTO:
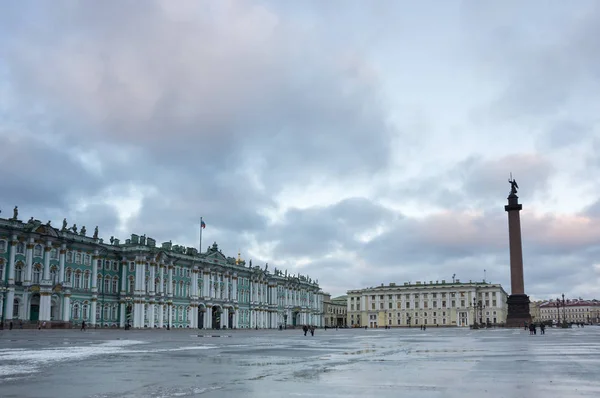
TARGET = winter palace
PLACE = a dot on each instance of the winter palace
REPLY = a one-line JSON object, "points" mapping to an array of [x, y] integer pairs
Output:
{"points": [[64, 277]]}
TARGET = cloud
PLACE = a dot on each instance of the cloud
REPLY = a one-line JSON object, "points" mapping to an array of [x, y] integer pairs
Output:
{"points": [[322, 139]]}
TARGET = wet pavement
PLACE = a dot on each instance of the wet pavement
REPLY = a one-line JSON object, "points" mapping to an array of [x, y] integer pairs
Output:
{"points": [[437, 362]]}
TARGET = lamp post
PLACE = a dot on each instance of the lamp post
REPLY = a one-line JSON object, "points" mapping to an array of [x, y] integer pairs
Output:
{"points": [[558, 312], [564, 312], [3, 289], [285, 321]]}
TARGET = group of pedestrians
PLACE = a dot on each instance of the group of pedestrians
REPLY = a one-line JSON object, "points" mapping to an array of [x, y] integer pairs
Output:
{"points": [[307, 328], [533, 328]]}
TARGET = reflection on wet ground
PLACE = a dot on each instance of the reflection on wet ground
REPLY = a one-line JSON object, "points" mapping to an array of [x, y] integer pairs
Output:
{"points": [[344, 363]]}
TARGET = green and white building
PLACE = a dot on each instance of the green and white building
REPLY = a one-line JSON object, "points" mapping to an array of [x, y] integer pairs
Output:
{"points": [[63, 277]]}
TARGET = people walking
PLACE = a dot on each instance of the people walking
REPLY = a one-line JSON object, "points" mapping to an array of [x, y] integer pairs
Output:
{"points": [[305, 329], [83, 326]]}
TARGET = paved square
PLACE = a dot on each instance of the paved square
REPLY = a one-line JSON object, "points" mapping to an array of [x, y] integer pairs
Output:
{"points": [[345, 363]]}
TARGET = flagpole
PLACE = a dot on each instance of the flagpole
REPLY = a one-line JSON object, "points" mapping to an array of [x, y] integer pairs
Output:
{"points": [[200, 248]]}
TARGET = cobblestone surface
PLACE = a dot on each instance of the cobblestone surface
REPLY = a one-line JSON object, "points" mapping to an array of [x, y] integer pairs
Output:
{"points": [[345, 363]]}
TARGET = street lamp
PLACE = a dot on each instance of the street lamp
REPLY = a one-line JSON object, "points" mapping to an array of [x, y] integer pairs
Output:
{"points": [[557, 312], [3, 289], [564, 312]]}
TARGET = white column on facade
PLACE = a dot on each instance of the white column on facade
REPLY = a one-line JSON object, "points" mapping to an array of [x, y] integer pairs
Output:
{"points": [[225, 318], [205, 283], [61, 263], [170, 312], [234, 282], [122, 314], [170, 281], [8, 304], [11, 260], [94, 288], [151, 314], [161, 309], [46, 272], [194, 284], [66, 311], [151, 288], [123, 277], [28, 262], [161, 279]]}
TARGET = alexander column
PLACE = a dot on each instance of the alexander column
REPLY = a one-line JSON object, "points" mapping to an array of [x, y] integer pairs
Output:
{"points": [[518, 301]]}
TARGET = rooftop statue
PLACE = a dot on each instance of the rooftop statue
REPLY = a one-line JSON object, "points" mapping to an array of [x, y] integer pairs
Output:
{"points": [[96, 232], [83, 231], [15, 212], [74, 228], [64, 227], [49, 224], [266, 266]]}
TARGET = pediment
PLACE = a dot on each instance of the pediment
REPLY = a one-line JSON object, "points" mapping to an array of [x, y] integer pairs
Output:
{"points": [[44, 230]]}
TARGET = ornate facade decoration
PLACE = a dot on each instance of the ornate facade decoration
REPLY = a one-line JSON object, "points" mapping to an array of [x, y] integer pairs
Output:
{"points": [[64, 277]]}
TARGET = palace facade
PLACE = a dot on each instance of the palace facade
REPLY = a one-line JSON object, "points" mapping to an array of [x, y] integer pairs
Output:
{"points": [[62, 276], [431, 304]]}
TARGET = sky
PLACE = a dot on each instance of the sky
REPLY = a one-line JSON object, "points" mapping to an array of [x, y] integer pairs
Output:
{"points": [[355, 142]]}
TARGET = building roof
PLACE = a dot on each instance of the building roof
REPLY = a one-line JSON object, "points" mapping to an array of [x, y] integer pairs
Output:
{"points": [[570, 303]]}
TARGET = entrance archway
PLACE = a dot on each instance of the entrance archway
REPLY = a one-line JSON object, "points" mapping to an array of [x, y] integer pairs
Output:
{"points": [[54, 308], [34, 308], [216, 317], [201, 311], [230, 320], [295, 319]]}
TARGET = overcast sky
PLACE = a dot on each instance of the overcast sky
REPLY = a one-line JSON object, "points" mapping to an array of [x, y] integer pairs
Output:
{"points": [[357, 142]]}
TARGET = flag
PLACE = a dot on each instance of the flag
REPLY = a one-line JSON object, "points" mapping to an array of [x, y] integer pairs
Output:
{"points": [[202, 224]]}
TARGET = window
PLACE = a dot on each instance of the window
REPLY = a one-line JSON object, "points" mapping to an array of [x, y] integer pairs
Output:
{"points": [[54, 275], [2, 245], [1, 269], [19, 272], [99, 264], [69, 257], [37, 273], [37, 251], [77, 284], [86, 280], [115, 285], [84, 310], [131, 284], [78, 258], [115, 266], [88, 259], [107, 285], [54, 254], [106, 312], [20, 248], [131, 266], [114, 312], [98, 312], [76, 311], [68, 275]]}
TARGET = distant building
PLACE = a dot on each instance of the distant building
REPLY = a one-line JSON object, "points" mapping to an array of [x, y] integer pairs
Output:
{"points": [[534, 310], [434, 303], [335, 310], [571, 310], [64, 276]]}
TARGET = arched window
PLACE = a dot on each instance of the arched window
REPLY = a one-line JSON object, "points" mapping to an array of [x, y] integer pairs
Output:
{"points": [[2, 246], [84, 310], [131, 284], [37, 251], [19, 272], [78, 258], [54, 254], [131, 266], [115, 266], [2, 269], [76, 313], [37, 273], [107, 284], [115, 285], [20, 248], [54, 274], [156, 284], [68, 275], [69, 257], [86, 280], [77, 284], [174, 287], [115, 311], [88, 260], [181, 291], [106, 312]]}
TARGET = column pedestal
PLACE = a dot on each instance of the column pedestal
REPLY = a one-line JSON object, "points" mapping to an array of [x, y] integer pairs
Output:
{"points": [[518, 311]]}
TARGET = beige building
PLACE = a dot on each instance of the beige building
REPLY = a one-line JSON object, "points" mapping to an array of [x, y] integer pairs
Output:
{"points": [[571, 310], [534, 310], [434, 303], [335, 310]]}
